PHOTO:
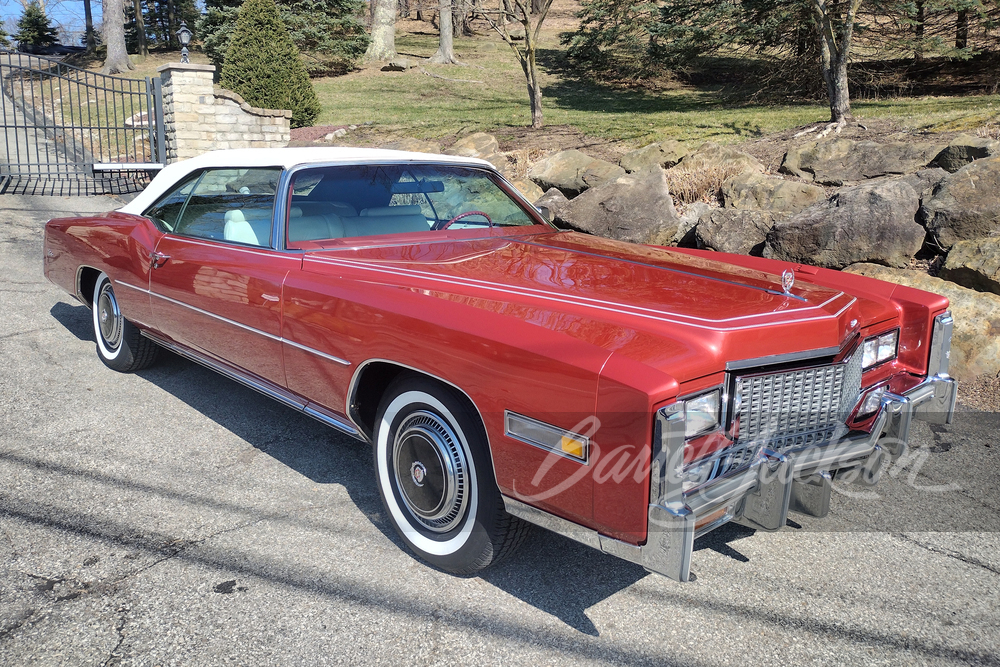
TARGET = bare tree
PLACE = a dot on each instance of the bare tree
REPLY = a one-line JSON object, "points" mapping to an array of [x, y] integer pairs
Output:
{"points": [[88, 17], [519, 11], [114, 37], [445, 54], [461, 16], [383, 36], [836, 31], [140, 29]]}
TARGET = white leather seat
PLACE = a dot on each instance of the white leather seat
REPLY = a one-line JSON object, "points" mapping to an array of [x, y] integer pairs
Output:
{"points": [[238, 229]]}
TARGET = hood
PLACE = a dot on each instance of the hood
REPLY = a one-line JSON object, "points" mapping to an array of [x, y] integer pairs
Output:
{"points": [[652, 304]]}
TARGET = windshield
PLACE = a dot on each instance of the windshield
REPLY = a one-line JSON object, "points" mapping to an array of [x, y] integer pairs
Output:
{"points": [[375, 200]]}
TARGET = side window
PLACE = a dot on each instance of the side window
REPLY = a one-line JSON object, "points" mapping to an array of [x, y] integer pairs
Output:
{"points": [[167, 210], [230, 205]]}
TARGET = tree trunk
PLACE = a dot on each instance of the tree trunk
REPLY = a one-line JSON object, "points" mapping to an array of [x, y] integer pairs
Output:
{"points": [[520, 11], [840, 96], [536, 6], [113, 18], [445, 54], [918, 31], [172, 25], [89, 23], [962, 29], [835, 36], [535, 102], [140, 29], [383, 36], [404, 8]]}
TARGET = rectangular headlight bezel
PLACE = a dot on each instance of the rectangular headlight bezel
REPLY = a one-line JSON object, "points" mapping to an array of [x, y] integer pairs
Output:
{"points": [[879, 349], [702, 413]]}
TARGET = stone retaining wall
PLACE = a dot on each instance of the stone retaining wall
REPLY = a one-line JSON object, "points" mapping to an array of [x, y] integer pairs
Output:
{"points": [[199, 116]]}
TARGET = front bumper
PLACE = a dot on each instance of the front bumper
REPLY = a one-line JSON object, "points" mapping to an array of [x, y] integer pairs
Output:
{"points": [[762, 494]]}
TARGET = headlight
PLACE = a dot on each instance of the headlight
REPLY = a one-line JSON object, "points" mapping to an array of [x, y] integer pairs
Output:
{"points": [[702, 413], [878, 349]]}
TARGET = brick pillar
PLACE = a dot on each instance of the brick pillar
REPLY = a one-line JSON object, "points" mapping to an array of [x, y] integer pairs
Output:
{"points": [[188, 109]]}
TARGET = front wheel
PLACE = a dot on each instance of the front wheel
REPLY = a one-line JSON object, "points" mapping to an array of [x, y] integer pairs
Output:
{"points": [[435, 477], [119, 344]]}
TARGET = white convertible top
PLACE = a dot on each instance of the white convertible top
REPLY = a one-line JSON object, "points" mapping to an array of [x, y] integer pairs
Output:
{"points": [[279, 157]]}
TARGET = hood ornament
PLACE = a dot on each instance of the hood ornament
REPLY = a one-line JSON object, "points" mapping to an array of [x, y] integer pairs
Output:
{"points": [[787, 280]]}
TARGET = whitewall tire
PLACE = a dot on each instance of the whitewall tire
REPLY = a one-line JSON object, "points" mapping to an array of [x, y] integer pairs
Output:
{"points": [[119, 344], [435, 477]]}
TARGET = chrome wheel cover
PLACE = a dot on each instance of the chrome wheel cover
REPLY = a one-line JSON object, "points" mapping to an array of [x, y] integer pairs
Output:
{"points": [[109, 317], [431, 472]]}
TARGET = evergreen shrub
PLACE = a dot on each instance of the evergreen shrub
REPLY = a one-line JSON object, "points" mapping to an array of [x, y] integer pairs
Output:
{"points": [[263, 65]]}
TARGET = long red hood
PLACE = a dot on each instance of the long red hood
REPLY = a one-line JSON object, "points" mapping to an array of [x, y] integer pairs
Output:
{"points": [[652, 304]]}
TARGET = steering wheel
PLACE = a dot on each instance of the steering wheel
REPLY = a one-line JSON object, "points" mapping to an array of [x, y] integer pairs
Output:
{"points": [[458, 217]]}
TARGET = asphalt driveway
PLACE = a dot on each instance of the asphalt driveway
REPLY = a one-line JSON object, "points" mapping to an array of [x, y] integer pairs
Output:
{"points": [[174, 517]]}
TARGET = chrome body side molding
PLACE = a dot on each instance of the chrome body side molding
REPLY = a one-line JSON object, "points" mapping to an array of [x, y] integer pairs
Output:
{"points": [[239, 325], [261, 385]]}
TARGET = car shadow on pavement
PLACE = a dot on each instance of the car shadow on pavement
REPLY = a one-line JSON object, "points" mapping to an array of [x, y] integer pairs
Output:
{"points": [[76, 319], [562, 577], [547, 572], [536, 573]]}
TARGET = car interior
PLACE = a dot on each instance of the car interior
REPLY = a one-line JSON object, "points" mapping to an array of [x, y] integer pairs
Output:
{"points": [[335, 202]]}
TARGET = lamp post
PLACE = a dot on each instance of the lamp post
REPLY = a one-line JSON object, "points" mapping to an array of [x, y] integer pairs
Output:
{"points": [[184, 35]]}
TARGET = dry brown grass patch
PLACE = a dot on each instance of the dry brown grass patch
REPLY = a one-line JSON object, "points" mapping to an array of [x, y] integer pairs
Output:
{"points": [[690, 183]]}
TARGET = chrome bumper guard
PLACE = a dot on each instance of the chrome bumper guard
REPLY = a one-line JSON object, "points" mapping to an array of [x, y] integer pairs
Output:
{"points": [[761, 495]]}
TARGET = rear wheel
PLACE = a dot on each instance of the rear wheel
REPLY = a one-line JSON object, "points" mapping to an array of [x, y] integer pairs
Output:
{"points": [[435, 477], [119, 344]]}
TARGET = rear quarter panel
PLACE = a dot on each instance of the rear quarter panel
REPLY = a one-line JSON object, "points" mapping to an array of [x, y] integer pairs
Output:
{"points": [[118, 244]]}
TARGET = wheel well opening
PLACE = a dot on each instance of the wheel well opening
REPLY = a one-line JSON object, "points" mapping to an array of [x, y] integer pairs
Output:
{"points": [[374, 380], [371, 386], [86, 281]]}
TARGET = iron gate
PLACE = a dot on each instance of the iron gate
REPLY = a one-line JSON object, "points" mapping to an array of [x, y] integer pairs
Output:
{"points": [[61, 122]]}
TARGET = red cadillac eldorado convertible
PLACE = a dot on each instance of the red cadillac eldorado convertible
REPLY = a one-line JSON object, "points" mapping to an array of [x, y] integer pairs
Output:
{"points": [[505, 372]]}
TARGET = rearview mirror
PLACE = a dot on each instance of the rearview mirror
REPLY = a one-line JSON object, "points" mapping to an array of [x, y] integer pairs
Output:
{"points": [[546, 213], [416, 187]]}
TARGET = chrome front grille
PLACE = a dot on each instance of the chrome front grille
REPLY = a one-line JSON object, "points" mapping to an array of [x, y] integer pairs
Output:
{"points": [[797, 408]]}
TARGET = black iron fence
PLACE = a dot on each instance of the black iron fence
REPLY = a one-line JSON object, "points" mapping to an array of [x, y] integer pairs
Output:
{"points": [[60, 122]]}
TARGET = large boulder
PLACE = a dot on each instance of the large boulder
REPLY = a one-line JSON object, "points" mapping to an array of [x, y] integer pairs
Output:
{"points": [[527, 188], [633, 207], [572, 172], [485, 147], [664, 154], [475, 145], [753, 191], [414, 146], [557, 203], [975, 264], [732, 230], [964, 149], [873, 222], [975, 343], [711, 155], [966, 204], [839, 161], [924, 181]]}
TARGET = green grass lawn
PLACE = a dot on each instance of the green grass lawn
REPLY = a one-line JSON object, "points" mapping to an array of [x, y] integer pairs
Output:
{"points": [[414, 104], [417, 105]]}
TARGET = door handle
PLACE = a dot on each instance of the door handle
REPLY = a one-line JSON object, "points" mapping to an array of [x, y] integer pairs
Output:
{"points": [[157, 259]]}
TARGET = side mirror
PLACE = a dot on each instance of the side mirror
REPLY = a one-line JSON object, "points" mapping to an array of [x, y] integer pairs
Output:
{"points": [[546, 213]]}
